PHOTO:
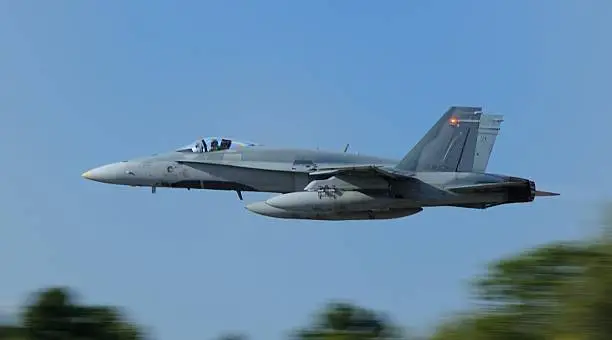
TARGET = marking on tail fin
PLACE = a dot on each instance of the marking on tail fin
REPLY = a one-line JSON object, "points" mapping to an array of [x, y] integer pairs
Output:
{"points": [[449, 145]]}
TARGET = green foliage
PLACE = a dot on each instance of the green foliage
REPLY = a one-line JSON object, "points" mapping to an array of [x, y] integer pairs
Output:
{"points": [[344, 321], [556, 291], [233, 336], [54, 314], [481, 327], [11, 332], [559, 291]]}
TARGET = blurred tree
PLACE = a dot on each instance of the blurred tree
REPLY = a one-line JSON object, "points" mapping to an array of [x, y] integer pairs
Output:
{"points": [[11, 332], [556, 291], [233, 336], [481, 326], [54, 314], [349, 322]]}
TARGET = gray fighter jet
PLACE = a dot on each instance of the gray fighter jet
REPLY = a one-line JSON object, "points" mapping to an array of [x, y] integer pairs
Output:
{"points": [[447, 167]]}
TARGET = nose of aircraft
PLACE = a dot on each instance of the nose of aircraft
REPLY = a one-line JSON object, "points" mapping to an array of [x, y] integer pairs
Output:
{"points": [[105, 174]]}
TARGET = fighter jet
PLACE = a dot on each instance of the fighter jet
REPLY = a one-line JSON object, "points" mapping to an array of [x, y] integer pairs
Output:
{"points": [[447, 167]]}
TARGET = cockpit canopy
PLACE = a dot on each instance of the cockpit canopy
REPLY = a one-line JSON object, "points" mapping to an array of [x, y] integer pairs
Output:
{"points": [[210, 144]]}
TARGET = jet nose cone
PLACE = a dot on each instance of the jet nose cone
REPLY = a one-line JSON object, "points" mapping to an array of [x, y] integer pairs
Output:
{"points": [[105, 174]]}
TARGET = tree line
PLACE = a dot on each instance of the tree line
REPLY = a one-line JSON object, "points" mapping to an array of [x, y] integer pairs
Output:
{"points": [[557, 291]]}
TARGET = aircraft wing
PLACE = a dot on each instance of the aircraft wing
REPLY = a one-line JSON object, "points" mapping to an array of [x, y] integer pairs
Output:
{"points": [[362, 170], [374, 177]]}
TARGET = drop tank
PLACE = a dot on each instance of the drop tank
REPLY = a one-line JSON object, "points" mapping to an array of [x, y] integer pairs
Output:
{"points": [[333, 200]]}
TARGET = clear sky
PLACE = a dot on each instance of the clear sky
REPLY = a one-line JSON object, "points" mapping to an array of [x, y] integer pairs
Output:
{"points": [[84, 83]]}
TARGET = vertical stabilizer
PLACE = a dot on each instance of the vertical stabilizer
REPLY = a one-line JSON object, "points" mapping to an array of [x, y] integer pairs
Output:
{"points": [[487, 134], [449, 146]]}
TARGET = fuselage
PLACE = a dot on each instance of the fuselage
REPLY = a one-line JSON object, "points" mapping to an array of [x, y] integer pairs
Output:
{"points": [[267, 170], [251, 169]]}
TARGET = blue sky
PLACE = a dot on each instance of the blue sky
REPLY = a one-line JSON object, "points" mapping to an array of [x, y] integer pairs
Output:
{"points": [[84, 83]]}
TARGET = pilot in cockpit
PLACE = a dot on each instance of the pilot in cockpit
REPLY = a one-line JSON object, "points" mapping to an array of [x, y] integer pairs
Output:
{"points": [[214, 145], [200, 145]]}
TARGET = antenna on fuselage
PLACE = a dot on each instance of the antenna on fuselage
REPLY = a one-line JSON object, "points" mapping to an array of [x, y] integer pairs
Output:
{"points": [[346, 147]]}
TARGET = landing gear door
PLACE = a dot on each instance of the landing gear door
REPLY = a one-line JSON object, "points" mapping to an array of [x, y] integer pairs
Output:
{"points": [[301, 168]]}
